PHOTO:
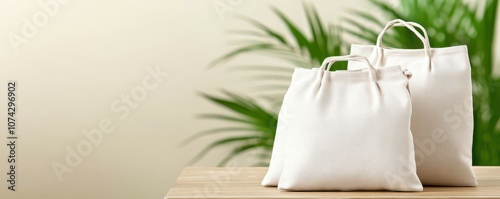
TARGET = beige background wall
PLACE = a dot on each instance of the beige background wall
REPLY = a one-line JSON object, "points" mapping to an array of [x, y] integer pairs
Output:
{"points": [[86, 57]]}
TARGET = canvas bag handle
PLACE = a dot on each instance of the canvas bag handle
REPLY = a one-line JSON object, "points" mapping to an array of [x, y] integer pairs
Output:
{"points": [[329, 61], [411, 26]]}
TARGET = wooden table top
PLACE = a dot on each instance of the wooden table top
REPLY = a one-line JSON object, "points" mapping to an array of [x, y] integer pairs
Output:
{"points": [[244, 182]]}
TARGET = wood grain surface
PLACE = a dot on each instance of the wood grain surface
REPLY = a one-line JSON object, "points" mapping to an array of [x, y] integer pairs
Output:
{"points": [[244, 182]]}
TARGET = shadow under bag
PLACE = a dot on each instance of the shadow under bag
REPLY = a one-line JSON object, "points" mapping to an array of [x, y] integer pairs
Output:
{"points": [[442, 119], [347, 130]]}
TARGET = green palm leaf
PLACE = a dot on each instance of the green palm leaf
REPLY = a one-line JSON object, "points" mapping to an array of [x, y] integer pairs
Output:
{"points": [[255, 126]]}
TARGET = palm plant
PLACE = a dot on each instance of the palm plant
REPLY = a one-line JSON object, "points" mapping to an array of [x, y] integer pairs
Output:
{"points": [[448, 23]]}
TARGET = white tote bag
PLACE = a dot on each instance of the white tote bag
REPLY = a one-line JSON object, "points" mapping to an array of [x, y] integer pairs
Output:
{"points": [[350, 130], [442, 118]]}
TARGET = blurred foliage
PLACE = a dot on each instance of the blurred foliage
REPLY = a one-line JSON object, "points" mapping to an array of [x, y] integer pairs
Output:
{"points": [[295, 46], [255, 127], [448, 22]]}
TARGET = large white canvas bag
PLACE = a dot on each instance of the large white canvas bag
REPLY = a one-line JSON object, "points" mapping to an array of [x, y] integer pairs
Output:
{"points": [[292, 101], [350, 130], [442, 121]]}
